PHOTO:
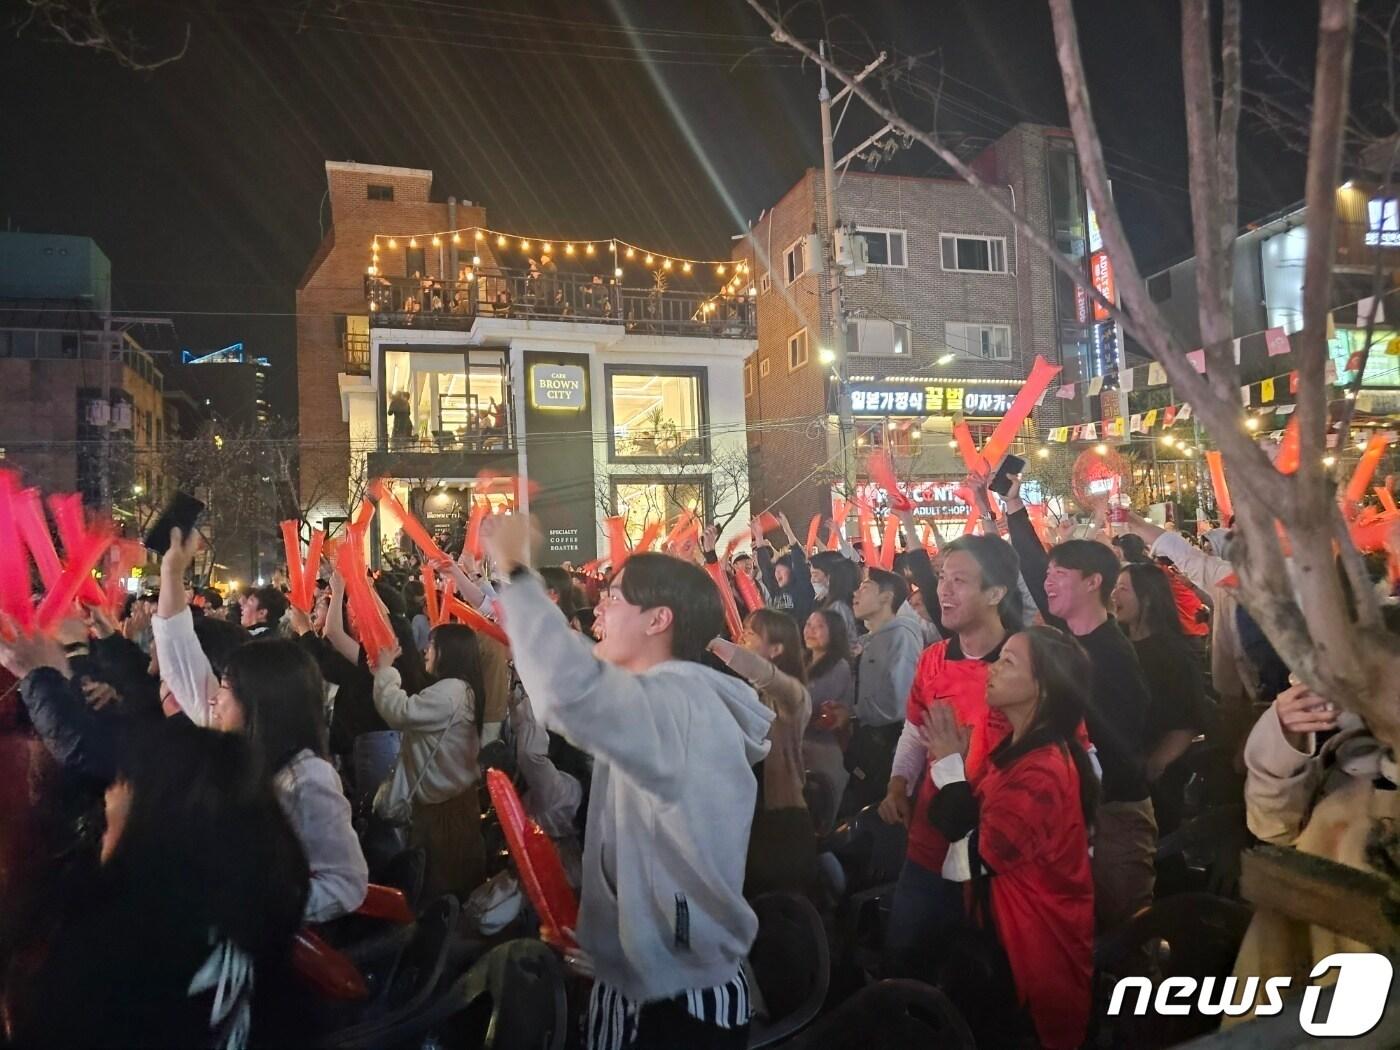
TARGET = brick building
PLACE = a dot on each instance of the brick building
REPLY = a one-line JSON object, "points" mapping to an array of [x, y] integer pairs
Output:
{"points": [[333, 360], [611, 380], [947, 316], [82, 403]]}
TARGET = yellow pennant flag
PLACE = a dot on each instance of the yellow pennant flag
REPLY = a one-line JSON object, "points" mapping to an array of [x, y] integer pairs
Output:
{"points": [[1149, 420], [1266, 391]]}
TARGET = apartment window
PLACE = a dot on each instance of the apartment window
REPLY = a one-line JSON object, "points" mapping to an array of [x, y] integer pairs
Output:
{"points": [[763, 368], [795, 260], [991, 341], [765, 283], [797, 350], [748, 379], [380, 193], [657, 414], [974, 254], [877, 336], [413, 262], [642, 501], [883, 247]]}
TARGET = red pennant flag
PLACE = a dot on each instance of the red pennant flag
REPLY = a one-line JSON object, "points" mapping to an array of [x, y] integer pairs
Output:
{"points": [[1169, 415], [1292, 382]]}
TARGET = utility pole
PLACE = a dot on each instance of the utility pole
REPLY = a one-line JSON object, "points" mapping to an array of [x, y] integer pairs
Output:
{"points": [[833, 268], [833, 279]]}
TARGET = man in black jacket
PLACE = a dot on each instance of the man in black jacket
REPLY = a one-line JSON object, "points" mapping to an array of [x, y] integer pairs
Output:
{"points": [[1073, 585]]}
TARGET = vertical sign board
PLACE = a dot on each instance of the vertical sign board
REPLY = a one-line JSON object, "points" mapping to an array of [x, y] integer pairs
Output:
{"points": [[558, 428]]}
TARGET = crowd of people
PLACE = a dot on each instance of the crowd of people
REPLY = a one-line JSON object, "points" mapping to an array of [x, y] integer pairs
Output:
{"points": [[187, 785]]}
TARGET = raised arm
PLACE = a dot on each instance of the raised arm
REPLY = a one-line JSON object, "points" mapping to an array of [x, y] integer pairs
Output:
{"points": [[336, 635], [1035, 562], [764, 675], [183, 665]]}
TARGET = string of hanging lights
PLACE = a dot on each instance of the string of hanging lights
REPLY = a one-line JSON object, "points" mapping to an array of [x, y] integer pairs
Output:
{"points": [[619, 250]]}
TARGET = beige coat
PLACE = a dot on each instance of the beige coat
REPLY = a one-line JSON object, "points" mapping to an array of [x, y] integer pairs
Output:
{"points": [[1322, 803], [784, 773]]}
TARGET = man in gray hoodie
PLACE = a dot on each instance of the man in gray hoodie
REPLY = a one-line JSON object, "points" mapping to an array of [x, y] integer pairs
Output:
{"points": [[662, 915], [889, 655]]}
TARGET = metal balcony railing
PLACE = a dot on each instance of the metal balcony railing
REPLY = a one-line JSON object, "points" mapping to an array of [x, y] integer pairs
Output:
{"points": [[407, 302], [356, 347]]}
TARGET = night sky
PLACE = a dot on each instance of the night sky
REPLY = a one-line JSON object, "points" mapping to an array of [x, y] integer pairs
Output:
{"points": [[669, 123]]}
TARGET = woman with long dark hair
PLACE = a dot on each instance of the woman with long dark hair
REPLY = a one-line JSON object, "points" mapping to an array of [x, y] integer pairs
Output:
{"points": [[782, 846], [440, 743], [272, 693], [1026, 826], [190, 911], [1146, 608], [828, 661]]}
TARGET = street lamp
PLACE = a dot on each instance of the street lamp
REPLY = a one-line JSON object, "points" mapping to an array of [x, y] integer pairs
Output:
{"points": [[946, 359], [826, 356]]}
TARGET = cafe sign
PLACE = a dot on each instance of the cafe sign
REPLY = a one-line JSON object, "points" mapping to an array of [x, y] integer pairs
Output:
{"points": [[933, 399], [557, 386]]}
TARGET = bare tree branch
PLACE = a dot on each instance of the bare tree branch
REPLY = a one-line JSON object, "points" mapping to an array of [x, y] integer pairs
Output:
{"points": [[84, 23]]}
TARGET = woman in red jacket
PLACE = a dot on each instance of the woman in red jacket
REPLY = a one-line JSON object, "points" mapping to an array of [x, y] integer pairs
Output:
{"points": [[1026, 823]]}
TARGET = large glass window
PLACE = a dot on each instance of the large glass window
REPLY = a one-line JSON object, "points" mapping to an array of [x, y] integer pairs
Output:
{"points": [[641, 501], [449, 401], [656, 415]]}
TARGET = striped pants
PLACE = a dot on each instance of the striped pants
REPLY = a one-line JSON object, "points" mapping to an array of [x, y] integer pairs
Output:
{"points": [[704, 1019]]}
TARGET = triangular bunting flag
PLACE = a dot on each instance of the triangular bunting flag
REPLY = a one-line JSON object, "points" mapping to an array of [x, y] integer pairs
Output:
{"points": [[1364, 309], [1244, 395], [1185, 413], [1095, 385], [1354, 362], [1285, 410], [1266, 391], [1066, 391], [1091, 431], [1331, 326], [1198, 360], [1169, 416], [1126, 380], [1292, 382], [1277, 342], [1237, 351], [1135, 424], [1149, 420], [1156, 374], [1330, 373]]}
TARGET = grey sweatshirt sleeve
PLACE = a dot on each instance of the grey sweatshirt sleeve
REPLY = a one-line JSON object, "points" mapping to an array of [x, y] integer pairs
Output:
{"points": [[622, 718], [905, 650]]}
